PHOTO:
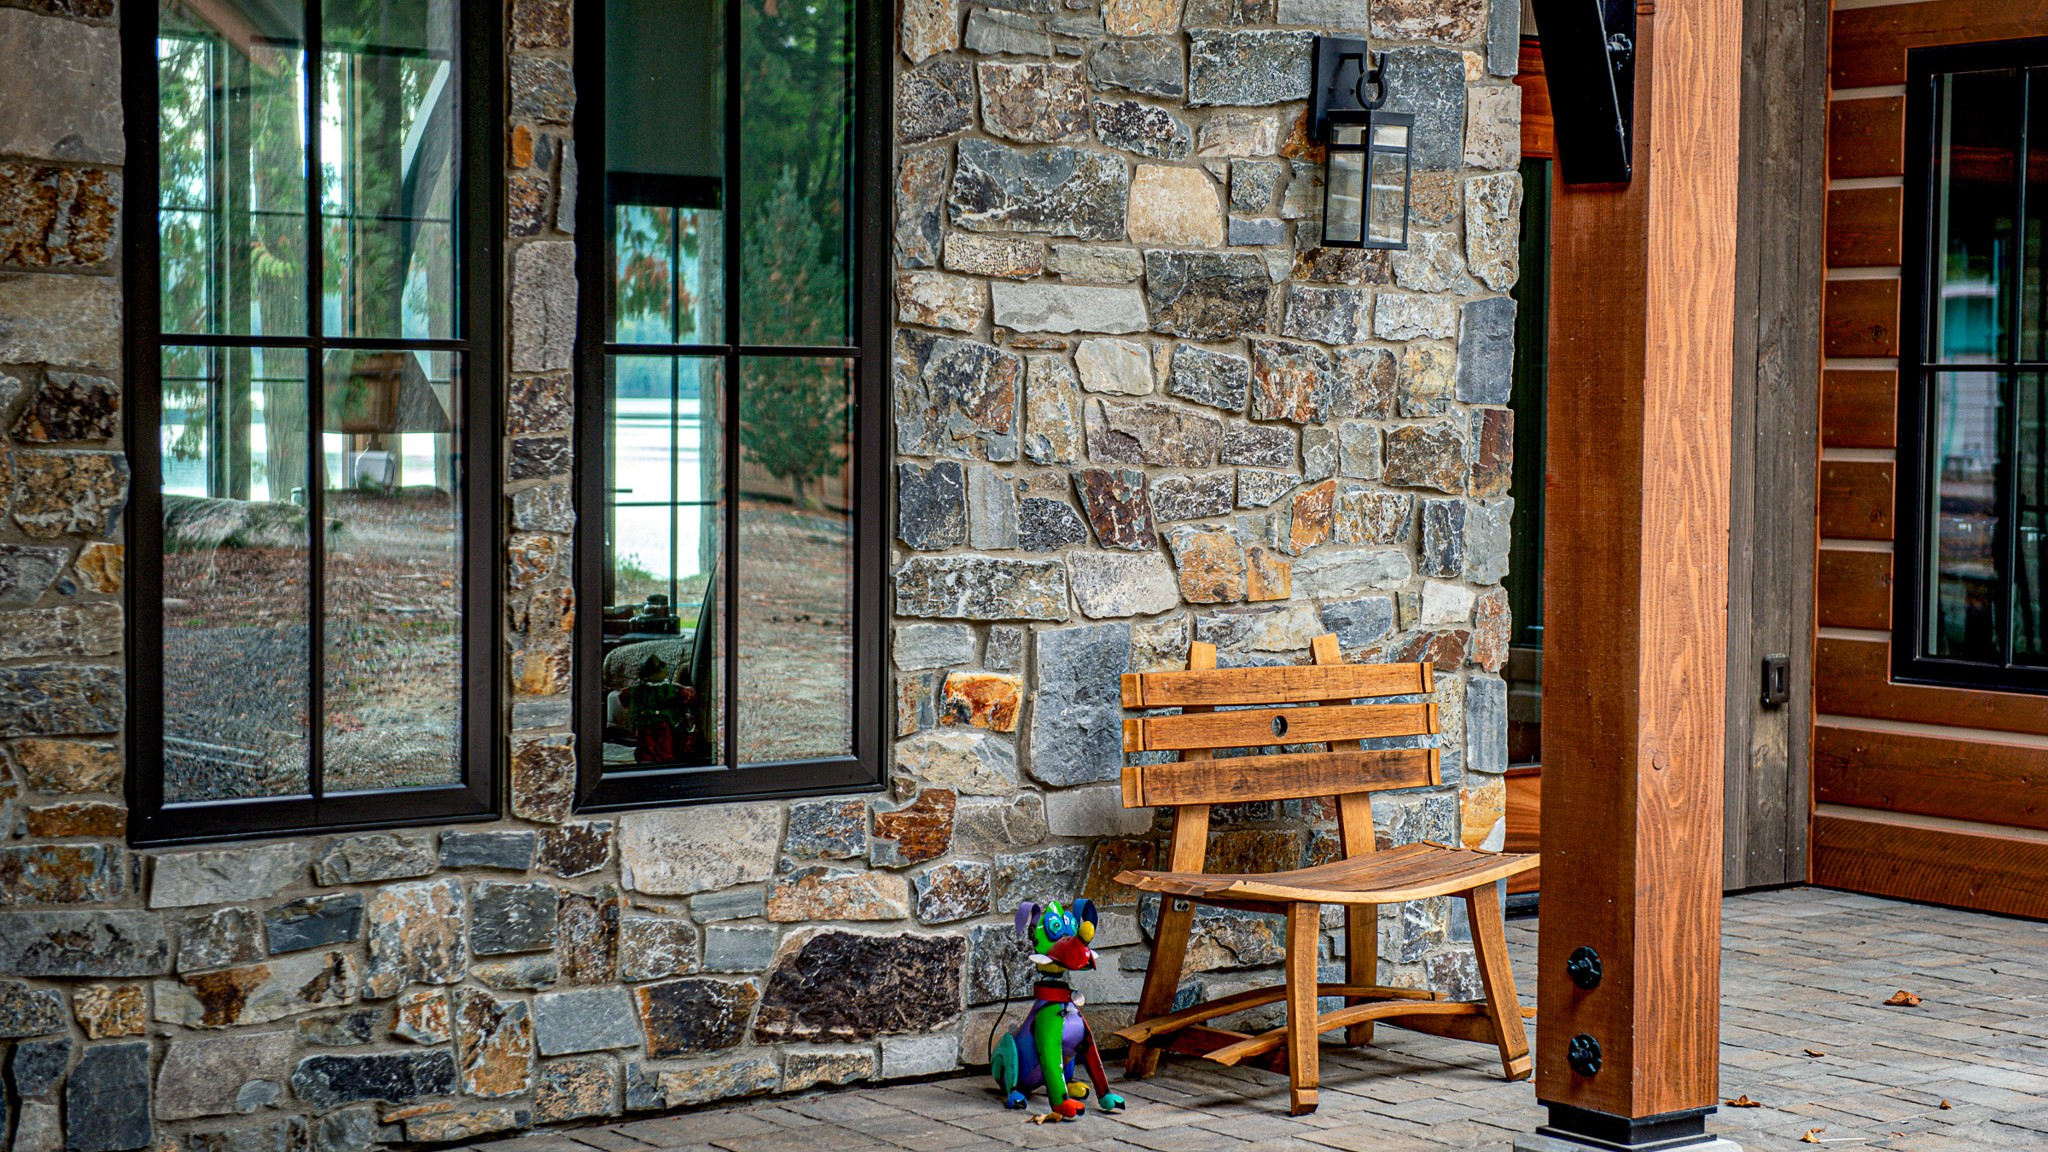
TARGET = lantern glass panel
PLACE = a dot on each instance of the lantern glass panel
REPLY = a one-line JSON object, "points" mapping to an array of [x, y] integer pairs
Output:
{"points": [[1344, 192], [1389, 198]]}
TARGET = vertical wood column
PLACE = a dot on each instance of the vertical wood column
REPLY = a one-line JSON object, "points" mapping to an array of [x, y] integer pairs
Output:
{"points": [[1636, 640]]}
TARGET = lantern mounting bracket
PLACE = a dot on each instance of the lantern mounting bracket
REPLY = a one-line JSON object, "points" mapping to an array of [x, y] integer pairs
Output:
{"points": [[1345, 70]]}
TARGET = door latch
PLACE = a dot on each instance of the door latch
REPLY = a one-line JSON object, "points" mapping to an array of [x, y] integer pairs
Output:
{"points": [[1777, 686]]}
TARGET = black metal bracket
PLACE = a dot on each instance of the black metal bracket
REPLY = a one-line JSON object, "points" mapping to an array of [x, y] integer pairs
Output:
{"points": [[1344, 71], [1584, 968], [1589, 62], [1583, 1054], [1777, 685]]}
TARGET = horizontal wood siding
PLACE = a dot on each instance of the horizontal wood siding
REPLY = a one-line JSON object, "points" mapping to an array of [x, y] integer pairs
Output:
{"points": [[1961, 779], [1856, 499], [1854, 589], [1852, 679], [1899, 777], [1870, 44], [1942, 866], [1863, 227], [1867, 137], [1860, 318], [1859, 408]]}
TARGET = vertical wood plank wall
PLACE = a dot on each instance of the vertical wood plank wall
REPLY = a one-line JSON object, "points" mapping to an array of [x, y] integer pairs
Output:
{"points": [[1936, 794], [1772, 467]]}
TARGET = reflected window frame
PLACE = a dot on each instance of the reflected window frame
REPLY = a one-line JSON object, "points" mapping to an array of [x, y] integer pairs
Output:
{"points": [[479, 132], [866, 348], [1922, 369]]}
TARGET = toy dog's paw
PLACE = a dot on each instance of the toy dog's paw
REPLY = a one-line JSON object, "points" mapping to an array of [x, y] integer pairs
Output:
{"points": [[1078, 1091], [1068, 1109], [1014, 1100], [1110, 1102]]}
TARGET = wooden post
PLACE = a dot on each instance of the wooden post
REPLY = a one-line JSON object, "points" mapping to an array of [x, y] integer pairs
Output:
{"points": [[1635, 643]]}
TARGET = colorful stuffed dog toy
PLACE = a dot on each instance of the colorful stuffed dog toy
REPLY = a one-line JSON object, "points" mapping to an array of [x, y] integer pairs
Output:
{"points": [[1043, 1049]]}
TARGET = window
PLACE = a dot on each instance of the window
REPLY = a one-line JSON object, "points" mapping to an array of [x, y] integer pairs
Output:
{"points": [[1973, 524], [733, 345], [314, 597]]}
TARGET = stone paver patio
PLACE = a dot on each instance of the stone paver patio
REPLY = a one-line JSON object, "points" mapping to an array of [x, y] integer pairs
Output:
{"points": [[1804, 1031]]}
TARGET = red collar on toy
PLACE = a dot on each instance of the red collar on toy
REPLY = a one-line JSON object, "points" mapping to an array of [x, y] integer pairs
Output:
{"points": [[1054, 993]]}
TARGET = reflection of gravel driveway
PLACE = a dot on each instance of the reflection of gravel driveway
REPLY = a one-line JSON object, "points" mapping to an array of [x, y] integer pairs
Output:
{"points": [[795, 633]]}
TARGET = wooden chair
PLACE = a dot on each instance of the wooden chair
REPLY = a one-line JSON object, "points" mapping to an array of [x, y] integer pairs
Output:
{"points": [[1360, 881]]}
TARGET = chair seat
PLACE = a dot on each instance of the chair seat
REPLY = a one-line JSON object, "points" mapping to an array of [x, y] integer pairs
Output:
{"points": [[1409, 872]]}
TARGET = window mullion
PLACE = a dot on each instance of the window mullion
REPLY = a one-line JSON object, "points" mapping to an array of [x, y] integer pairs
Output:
{"points": [[729, 432], [316, 435]]}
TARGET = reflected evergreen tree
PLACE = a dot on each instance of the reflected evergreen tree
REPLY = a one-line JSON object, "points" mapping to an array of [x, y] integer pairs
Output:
{"points": [[793, 410]]}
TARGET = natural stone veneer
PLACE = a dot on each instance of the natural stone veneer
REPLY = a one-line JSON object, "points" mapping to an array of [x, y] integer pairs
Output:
{"points": [[1134, 405]]}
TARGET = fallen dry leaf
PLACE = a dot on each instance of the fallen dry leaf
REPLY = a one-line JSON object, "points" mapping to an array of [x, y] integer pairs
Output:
{"points": [[1902, 999], [1944, 1105], [1815, 1052], [1812, 1136], [1743, 1101]]}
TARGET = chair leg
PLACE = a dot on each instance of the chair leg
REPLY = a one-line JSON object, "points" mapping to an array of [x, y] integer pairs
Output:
{"points": [[1361, 961], [1162, 979], [1503, 1008], [1304, 934]]}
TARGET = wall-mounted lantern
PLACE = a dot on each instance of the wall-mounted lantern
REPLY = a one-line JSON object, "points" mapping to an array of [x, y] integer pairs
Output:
{"points": [[1365, 187]]}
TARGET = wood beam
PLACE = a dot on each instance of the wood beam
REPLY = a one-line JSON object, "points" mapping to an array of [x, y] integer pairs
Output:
{"points": [[1638, 479]]}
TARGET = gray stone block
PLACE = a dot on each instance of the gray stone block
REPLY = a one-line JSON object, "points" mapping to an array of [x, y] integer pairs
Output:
{"points": [[216, 876], [1248, 67], [508, 851], [83, 944], [330, 1080], [1077, 720], [1357, 623], [314, 922], [1486, 350], [512, 918], [1429, 83], [107, 1099], [591, 1020], [729, 948], [1486, 724]]}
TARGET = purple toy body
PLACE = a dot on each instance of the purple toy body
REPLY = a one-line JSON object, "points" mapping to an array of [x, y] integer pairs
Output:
{"points": [[1030, 1073]]}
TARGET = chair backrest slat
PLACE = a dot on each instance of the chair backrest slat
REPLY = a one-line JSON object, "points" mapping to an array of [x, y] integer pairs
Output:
{"points": [[1243, 779], [1327, 716], [1262, 727], [1293, 684]]}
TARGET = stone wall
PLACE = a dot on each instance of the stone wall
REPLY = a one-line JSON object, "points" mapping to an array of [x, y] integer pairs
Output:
{"points": [[1135, 405]]}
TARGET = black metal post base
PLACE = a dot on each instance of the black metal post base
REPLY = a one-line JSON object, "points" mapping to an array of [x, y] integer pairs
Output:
{"points": [[1582, 1130]]}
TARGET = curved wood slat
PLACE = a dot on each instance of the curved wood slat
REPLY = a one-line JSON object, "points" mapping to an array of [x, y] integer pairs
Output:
{"points": [[1144, 1030], [1258, 728], [1290, 684], [1292, 776], [1356, 1014], [1410, 872]]}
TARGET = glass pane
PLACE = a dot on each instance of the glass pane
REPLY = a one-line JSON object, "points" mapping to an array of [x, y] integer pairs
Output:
{"points": [[390, 117], [236, 672], [1388, 206], [231, 197], [393, 584], [1962, 609], [1977, 132], [665, 169], [2030, 516], [2034, 295], [794, 605], [664, 647], [797, 172], [1344, 192]]}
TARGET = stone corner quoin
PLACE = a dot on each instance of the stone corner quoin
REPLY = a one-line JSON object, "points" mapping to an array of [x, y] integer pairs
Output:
{"points": [[1135, 404]]}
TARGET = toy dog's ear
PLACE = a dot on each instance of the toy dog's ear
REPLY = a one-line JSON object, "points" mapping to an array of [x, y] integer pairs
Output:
{"points": [[1084, 911], [1027, 915]]}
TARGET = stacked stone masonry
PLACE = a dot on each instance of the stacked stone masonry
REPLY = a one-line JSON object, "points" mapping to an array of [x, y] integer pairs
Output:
{"points": [[1135, 405]]}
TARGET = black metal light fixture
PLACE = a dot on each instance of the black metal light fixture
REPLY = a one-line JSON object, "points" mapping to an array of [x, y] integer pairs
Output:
{"points": [[1366, 180]]}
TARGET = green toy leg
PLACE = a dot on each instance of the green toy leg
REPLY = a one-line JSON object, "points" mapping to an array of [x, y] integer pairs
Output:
{"points": [[1046, 1031]]}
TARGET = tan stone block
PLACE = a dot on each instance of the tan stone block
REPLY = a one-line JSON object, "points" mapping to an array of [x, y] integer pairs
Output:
{"points": [[1175, 207], [983, 700], [1482, 806], [104, 1011]]}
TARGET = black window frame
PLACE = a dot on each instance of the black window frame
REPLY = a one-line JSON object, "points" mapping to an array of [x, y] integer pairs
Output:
{"points": [[475, 796], [869, 351]]}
